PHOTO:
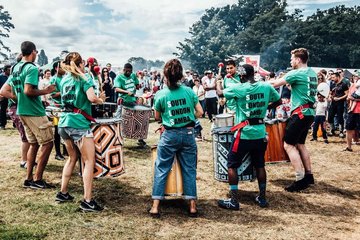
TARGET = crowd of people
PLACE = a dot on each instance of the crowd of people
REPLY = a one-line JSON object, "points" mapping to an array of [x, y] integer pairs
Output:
{"points": [[178, 99]]}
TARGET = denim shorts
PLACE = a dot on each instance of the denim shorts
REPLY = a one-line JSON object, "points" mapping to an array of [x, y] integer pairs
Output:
{"points": [[74, 134]]}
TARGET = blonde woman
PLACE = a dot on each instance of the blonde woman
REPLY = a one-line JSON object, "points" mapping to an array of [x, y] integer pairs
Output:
{"points": [[77, 94]]}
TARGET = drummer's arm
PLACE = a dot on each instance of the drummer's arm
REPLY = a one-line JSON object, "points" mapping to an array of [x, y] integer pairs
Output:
{"points": [[6, 91], [157, 115], [278, 82], [198, 110], [91, 96], [219, 88], [120, 90], [56, 95]]}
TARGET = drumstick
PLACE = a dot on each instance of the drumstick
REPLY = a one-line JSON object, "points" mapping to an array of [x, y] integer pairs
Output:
{"points": [[220, 65]]}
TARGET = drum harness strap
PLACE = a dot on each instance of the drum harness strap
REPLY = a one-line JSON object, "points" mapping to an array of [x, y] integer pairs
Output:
{"points": [[82, 112], [299, 109], [238, 127]]}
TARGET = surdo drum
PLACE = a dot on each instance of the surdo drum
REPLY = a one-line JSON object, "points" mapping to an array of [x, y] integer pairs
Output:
{"points": [[174, 181], [222, 139], [275, 151], [109, 161], [135, 121]]}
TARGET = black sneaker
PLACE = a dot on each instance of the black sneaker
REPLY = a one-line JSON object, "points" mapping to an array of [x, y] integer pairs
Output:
{"points": [[297, 186], [27, 183], [41, 184], [61, 197], [229, 204], [91, 206], [261, 202], [313, 139], [309, 178], [326, 141], [59, 157]]}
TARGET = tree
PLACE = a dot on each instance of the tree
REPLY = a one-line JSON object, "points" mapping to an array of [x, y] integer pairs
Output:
{"points": [[42, 58], [6, 25]]}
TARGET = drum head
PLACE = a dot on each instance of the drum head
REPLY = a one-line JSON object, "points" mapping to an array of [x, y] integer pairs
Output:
{"points": [[107, 121], [323, 89], [221, 130], [224, 115], [138, 108]]}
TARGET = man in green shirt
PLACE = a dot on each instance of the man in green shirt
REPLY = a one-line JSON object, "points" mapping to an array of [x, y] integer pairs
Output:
{"points": [[126, 85], [303, 82], [24, 80], [231, 77], [251, 100]]}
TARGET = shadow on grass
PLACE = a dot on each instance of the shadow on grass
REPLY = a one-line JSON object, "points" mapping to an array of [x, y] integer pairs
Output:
{"points": [[322, 187]]}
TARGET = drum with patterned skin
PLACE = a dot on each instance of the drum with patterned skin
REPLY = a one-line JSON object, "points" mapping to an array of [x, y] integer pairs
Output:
{"points": [[222, 139], [135, 121], [174, 181], [109, 161]]}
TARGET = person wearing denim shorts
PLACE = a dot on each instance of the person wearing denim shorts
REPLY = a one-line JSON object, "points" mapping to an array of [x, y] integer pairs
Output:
{"points": [[177, 106], [77, 91]]}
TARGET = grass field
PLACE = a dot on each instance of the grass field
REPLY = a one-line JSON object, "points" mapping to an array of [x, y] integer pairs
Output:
{"points": [[328, 210]]}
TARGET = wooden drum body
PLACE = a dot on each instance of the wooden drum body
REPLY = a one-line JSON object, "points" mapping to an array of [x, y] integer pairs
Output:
{"points": [[174, 181], [222, 139], [135, 122], [275, 151]]}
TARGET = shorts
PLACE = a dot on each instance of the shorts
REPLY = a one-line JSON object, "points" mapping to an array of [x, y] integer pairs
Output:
{"points": [[256, 148], [17, 122], [38, 129], [74, 134], [297, 129], [353, 121]]}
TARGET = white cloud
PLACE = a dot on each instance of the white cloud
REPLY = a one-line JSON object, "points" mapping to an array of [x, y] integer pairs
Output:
{"points": [[110, 30]]}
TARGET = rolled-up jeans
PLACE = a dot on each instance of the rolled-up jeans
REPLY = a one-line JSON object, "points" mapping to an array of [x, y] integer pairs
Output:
{"points": [[179, 141]]}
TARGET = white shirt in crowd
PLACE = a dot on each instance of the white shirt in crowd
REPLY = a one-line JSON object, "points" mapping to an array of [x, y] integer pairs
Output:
{"points": [[321, 108], [44, 83], [199, 91], [209, 83]]}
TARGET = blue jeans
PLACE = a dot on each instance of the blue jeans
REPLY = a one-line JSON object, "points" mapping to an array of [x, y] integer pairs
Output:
{"points": [[181, 142]]}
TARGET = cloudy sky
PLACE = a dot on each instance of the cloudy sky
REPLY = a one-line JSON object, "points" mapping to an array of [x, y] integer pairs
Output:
{"points": [[115, 30]]}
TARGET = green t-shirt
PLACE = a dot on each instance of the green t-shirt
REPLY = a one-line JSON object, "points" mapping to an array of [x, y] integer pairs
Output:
{"points": [[73, 93], [56, 80], [127, 84], [252, 101], [230, 103], [303, 82], [177, 106], [27, 106]]}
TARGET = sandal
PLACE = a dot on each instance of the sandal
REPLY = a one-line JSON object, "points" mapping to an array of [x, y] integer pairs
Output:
{"points": [[153, 215], [193, 214]]}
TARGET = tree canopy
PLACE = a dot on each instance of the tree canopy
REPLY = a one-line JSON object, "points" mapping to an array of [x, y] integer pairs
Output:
{"points": [[5, 26], [266, 28], [42, 58]]}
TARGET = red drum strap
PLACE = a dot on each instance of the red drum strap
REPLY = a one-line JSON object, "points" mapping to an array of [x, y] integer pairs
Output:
{"points": [[298, 110]]}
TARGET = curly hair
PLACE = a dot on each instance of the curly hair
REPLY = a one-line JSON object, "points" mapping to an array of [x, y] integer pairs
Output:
{"points": [[71, 64], [173, 72]]}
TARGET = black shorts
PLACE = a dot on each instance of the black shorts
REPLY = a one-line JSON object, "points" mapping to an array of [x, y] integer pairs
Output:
{"points": [[353, 121], [256, 148], [297, 129]]}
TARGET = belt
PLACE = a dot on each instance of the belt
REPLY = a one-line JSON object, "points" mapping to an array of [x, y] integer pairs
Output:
{"points": [[299, 109], [238, 127]]}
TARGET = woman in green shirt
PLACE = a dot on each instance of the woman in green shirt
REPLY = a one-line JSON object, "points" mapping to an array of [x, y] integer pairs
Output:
{"points": [[177, 106], [77, 93]]}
